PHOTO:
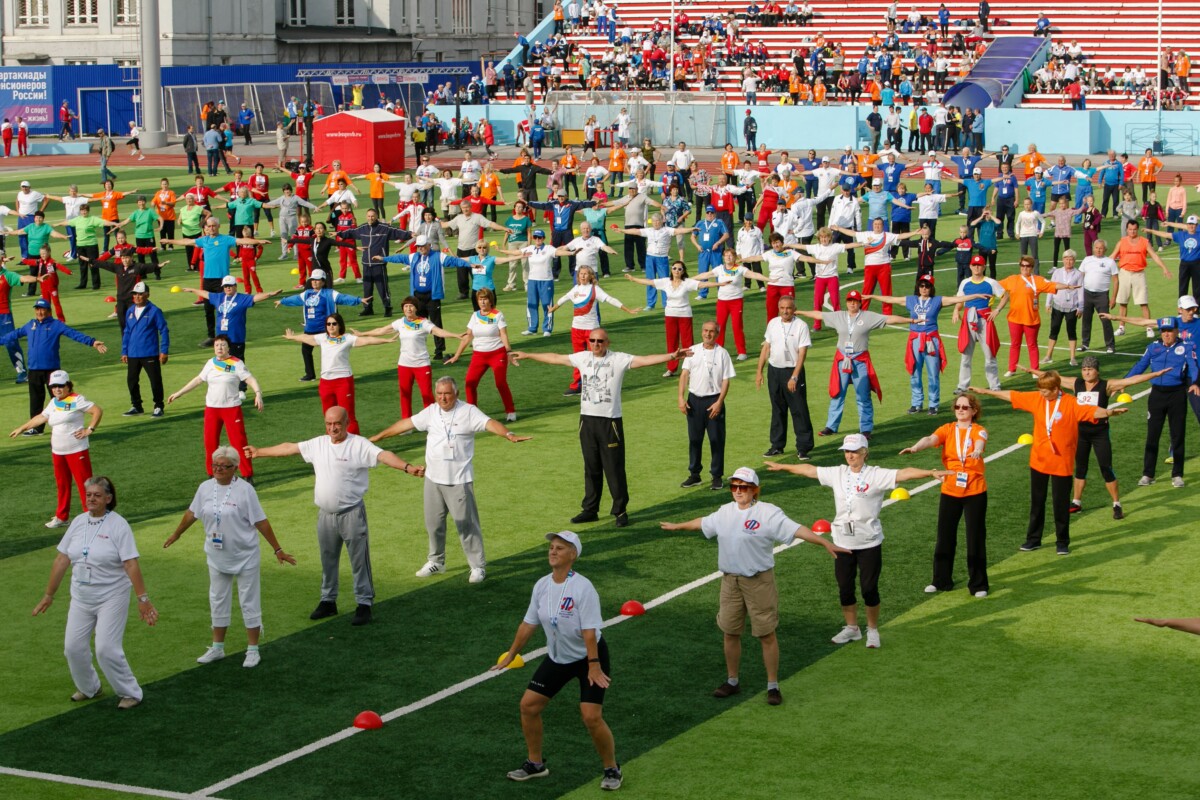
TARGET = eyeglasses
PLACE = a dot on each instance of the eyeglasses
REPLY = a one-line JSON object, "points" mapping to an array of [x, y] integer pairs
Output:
{"points": [[737, 487], [962, 408], [222, 466], [598, 341]]}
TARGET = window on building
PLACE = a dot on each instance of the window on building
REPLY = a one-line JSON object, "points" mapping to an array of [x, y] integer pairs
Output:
{"points": [[33, 13], [126, 63], [297, 13], [462, 16], [344, 12], [83, 12], [127, 12], [80, 62]]}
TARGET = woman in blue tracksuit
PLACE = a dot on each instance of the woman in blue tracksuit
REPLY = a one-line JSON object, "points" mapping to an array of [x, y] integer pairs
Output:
{"points": [[318, 303]]}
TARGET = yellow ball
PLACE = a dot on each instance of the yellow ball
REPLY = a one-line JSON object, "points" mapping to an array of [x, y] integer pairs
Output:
{"points": [[1124, 397], [576, 231], [1025, 438], [492, 243], [296, 271], [899, 493], [516, 663], [175, 290]]}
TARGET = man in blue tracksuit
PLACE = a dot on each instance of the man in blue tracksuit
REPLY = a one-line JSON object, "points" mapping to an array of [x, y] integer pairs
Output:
{"points": [[561, 230], [977, 188], [966, 164], [144, 346], [1114, 178], [1038, 187], [318, 303], [1005, 198], [427, 284], [42, 333], [709, 236], [1168, 397]]}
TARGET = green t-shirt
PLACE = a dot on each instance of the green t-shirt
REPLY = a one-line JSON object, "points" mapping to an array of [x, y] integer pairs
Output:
{"points": [[518, 228], [36, 236], [86, 229], [143, 223], [243, 210], [189, 220]]}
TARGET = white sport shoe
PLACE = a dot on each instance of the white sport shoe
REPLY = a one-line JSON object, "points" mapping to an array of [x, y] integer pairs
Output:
{"points": [[847, 634], [981, 594], [930, 589], [252, 659], [430, 568], [742, 357], [1121, 329], [477, 575], [1177, 482], [510, 417], [873, 637], [55, 522], [1009, 374], [211, 654], [1145, 480]]}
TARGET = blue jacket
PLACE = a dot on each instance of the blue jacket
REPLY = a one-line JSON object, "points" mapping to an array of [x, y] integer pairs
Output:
{"points": [[563, 214], [426, 274], [43, 340], [146, 337], [319, 304], [1180, 358]]}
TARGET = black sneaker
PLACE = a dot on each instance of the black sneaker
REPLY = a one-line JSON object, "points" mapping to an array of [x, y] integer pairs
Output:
{"points": [[32, 432], [612, 779], [362, 615], [774, 451], [1118, 512], [717, 484], [1062, 550], [826, 432], [325, 608], [133, 412], [866, 435], [528, 770], [1075, 507], [933, 411], [1029, 547], [572, 391], [307, 379], [621, 521], [774, 697], [157, 412], [802, 456], [206, 343], [727, 689], [585, 516], [692, 480], [914, 410]]}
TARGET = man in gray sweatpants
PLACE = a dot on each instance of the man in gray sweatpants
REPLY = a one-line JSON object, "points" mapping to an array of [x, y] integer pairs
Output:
{"points": [[450, 426], [340, 462]]}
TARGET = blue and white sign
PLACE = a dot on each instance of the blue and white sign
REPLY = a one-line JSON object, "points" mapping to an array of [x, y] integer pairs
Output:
{"points": [[28, 92]]}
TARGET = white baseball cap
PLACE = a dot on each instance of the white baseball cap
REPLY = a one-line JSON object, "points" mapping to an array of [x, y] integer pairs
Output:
{"points": [[24, 184], [745, 475], [855, 441], [978, 170], [1187, 301], [59, 378], [422, 240], [317, 275], [570, 537], [877, 182], [1038, 169], [1193, 220], [931, 153], [229, 280], [140, 288]]}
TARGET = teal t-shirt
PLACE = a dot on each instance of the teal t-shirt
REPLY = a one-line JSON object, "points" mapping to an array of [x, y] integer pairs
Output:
{"points": [[518, 228], [243, 210], [36, 236]]}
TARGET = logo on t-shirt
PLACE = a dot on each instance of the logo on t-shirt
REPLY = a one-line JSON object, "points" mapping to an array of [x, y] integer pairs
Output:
{"points": [[752, 525]]}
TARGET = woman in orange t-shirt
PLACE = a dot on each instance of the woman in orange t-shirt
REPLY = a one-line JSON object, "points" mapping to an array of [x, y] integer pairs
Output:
{"points": [[377, 180], [1147, 173], [1023, 317], [1056, 418], [964, 494]]}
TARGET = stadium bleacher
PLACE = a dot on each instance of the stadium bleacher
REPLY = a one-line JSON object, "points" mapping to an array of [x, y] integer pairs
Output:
{"points": [[1117, 35]]}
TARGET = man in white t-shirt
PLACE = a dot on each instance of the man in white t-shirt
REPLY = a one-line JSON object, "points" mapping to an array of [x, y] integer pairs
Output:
{"points": [[601, 430], [340, 462], [703, 385], [1098, 272], [785, 346], [450, 426]]}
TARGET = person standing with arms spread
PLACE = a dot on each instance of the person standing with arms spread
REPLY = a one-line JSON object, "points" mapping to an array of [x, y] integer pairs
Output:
{"points": [[585, 298], [977, 324], [1022, 291], [784, 349], [340, 462], [450, 426], [601, 428], [1130, 254], [319, 304], [703, 387], [747, 531], [859, 490], [1167, 401], [575, 649], [1056, 418]]}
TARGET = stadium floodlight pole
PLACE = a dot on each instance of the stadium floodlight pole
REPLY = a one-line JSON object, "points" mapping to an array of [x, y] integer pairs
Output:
{"points": [[671, 60], [154, 133], [309, 108]]}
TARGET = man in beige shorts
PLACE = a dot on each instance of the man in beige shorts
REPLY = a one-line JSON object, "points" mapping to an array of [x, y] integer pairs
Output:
{"points": [[1130, 255]]}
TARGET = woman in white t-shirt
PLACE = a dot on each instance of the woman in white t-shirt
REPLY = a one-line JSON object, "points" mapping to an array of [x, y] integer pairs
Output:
{"points": [[781, 268], [487, 333], [232, 518], [100, 549], [731, 282], [223, 402], [677, 309], [825, 271], [336, 387], [414, 363], [68, 440], [859, 491]]}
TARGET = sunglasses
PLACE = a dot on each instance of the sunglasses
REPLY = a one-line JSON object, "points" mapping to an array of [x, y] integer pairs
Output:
{"points": [[598, 341], [737, 487], [962, 408], [328, 324]]}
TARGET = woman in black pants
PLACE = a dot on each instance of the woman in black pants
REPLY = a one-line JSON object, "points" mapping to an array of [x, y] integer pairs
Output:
{"points": [[964, 494]]}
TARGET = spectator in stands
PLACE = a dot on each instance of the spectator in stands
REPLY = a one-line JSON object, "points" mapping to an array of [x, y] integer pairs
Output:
{"points": [[984, 11], [1042, 26]]}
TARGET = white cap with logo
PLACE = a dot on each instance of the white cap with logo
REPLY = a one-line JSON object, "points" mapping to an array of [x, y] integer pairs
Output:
{"points": [[1193, 220], [422, 240], [855, 441], [140, 288], [229, 280], [570, 537], [317, 275], [59, 378], [745, 475]]}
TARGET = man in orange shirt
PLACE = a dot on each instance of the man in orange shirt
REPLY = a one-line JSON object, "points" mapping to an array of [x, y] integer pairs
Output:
{"points": [[1130, 285], [109, 209], [1032, 159], [866, 165], [1023, 317], [1056, 418], [1147, 173], [489, 189]]}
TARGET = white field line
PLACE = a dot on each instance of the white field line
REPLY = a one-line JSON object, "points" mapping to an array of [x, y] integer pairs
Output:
{"points": [[112, 787]]}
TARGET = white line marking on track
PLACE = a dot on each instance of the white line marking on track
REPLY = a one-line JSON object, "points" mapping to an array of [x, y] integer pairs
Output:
{"points": [[90, 784]]}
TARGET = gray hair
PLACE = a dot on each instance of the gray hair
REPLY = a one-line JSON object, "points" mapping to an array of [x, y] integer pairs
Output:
{"points": [[1070, 254], [449, 380], [228, 453], [106, 485]]}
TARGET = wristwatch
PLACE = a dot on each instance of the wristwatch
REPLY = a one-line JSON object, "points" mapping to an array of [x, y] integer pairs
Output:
{"points": [[143, 598]]}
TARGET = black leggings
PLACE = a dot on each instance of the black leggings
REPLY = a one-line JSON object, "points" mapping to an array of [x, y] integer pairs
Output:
{"points": [[1056, 321], [868, 563], [1063, 244], [950, 511], [1094, 437]]}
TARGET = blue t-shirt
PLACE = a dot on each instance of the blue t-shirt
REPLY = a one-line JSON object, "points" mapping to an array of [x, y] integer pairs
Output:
{"points": [[709, 233], [216, 254], [481, 272], [892, 175], [984, 288], [887, 97], [986, 235], [900, 213], [1037, 189], [877, 203], [966, 165], [925, 310], [231, 314], [1189, 245], [1006, 186], [1188, 331], [977, 192]]}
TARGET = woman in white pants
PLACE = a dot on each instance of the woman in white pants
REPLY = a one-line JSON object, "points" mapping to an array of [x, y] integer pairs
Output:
{"points": [[100, 549], [229, 511]]}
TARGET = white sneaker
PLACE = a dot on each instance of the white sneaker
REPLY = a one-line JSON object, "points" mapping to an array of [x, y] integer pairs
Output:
{"points": [[1009, 374], [211, 654], [873, 637], [1047, 360], [981, 594], [55, 522], [546, 333], [847, 634], [512, 417], [430, 568], [668, 374], [1121, 329], [1149, 333], [930, 589], [1177, 482], [742, 357], [252, 659], [1145, 480], [477, 575], [339, 280], [241, 397]]}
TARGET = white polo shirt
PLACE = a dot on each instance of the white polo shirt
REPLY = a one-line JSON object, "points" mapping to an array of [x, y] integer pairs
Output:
{"points": [[707, 369], [450, 441], [859, 501], [341, 470], [785, 340], [677, 304], [228, 515], [600, 380], [565, 610], [1098, 273], [29, 202], [827, 258], [485, 329], [658, 240], [746, 538], [586, 250], [541, 262], [223, 380]]}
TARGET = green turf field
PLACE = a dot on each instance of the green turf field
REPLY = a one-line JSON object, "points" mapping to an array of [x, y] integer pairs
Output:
{"points": [[1046, 688]]}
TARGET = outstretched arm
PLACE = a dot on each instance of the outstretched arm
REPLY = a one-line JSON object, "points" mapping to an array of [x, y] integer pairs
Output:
{"points": [[1187, 624], [299, 337], [558, 359], [1002, 394], [276, 451], [803, 470]]}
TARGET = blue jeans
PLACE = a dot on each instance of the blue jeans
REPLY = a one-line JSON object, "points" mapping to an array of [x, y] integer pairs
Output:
{"points": [[539, 298], [22, 221], [14, 347], [214, 160], [71, 242], [862, 393], [656, 267], [708, 260], [105, 172], [932, 365]]}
